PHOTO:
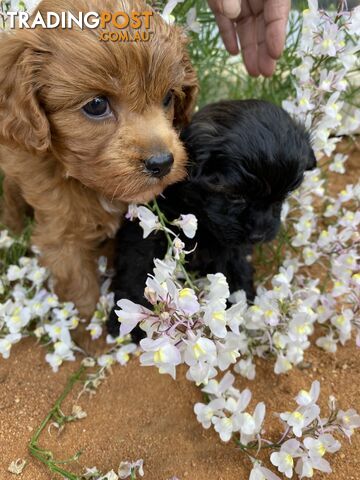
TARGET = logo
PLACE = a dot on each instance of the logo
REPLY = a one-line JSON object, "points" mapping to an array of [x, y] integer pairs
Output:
{"points": [[113, 26]]}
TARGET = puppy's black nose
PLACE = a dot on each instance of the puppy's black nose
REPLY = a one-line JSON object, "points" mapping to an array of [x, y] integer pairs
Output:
{"points": [[256, 237], [159, 165]]}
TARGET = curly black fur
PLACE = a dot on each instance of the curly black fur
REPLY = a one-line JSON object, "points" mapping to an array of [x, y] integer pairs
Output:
{"points": [[245, 158]]}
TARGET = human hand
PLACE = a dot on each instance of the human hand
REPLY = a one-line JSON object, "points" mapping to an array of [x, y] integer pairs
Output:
{"points": [[260, 25]]}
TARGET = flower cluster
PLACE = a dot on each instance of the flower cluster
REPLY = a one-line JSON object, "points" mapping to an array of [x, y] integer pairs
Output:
{"points": [[29, 308], [125, 470], [326, 58], [226, 411], [306, 438]]}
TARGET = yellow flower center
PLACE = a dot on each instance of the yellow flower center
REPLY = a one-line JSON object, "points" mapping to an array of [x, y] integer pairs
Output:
{"points": [[298, 416], [321, 449], [159, 356], [219, 316], [289, 460], [327, 43], [198, 350], [185, 292]]}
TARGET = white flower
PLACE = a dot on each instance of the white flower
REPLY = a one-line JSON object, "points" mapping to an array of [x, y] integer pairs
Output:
{"points": [[201, 372], [305, 466], [354, 23], [68, 310], [301, 418], [37, 275], [246, 368], [199, 349], [164, 269], [161, 353], [18, 319], [192, 24], [317, 447], [225, 427], [58, 331], [15, 273], [188, 224], [148, 220], [109, 476], [305, 398], [95, 330], [282, 364], [187, 301], [5, 240], [215, 318], [235, 315], [62, 352], [127, 468], [205, 413], [130, 314], [7, 342], [218, 388], [250, 425], [218, 288], [169, 7], [284, 459], [178, 248], [228, 351], [348, 420], [338, 163], [261, 473], [122, 355], [105, 360], [343, 323], [328, 343], [310, 255]]}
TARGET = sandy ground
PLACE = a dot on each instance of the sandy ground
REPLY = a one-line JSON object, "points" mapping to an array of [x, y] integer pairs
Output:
{"points": [[137, 413]]}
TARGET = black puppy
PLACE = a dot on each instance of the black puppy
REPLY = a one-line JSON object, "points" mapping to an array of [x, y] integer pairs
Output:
{"points": [[245, 157]]}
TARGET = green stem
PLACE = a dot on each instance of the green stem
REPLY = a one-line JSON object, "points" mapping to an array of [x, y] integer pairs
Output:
{"points": [[44, 456], [163, 222]]}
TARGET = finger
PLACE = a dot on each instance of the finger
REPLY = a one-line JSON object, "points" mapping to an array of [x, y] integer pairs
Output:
{"points": [[228, 33], [276, 13], [231, 8], [228, 8], [246, 28], [266, 63]]}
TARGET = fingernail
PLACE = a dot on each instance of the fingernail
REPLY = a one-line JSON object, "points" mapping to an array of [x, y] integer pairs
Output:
{"points": [[231, 8]]}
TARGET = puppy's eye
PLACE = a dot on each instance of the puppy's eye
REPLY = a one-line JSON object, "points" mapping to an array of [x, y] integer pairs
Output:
{"points": [[98, 107], [168, 98]]}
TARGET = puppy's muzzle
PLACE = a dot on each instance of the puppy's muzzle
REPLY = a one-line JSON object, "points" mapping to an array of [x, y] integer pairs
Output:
{"points": [[159, 165]]}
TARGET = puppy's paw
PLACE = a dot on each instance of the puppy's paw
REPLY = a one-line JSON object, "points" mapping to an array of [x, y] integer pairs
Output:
{"points": [[83, 340]]}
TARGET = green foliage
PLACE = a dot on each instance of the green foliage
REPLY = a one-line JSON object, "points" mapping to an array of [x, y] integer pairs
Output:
{"points": [[224, 76]]}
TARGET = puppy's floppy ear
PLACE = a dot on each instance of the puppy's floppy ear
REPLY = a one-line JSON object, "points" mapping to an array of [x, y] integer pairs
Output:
{"points": [[22, 120], [185, 104]]}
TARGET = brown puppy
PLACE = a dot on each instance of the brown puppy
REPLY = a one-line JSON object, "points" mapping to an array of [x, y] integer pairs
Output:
{"points": [[85, 127]]}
